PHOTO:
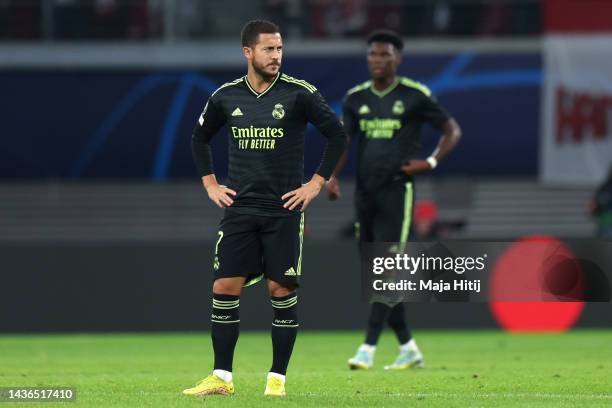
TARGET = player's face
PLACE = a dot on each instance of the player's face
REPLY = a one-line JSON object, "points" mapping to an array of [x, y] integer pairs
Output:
{"points": [[383, 60], [267, 55]]}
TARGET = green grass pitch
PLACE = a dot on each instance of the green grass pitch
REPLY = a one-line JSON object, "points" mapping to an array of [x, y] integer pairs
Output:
{"points": [[463, 369]]}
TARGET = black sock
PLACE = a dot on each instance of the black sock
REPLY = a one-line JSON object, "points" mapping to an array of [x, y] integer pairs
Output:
{"points": [[225, 329], [284, 331], [378, 316], [397, 321]]}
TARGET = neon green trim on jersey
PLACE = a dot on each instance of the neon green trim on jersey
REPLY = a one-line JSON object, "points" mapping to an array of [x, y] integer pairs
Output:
{"points": [[225, 85], [386, 91], [407, 213], [299, 265], [301, 82], [416, 85], [361, 87], [258, 94], [253, 281]]}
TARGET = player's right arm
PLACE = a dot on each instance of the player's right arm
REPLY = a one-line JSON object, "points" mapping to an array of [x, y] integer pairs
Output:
{"points": [[209, 123]]}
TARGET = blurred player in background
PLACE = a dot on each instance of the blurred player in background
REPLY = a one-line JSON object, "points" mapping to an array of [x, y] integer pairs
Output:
{"points": [[425, 220], [385, 116], [602, 208], [428, 226], [261, 233]]}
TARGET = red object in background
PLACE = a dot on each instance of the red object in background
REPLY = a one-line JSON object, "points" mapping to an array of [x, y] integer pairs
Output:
{"points": [[426, 210], [575, 16], [521, 265], [584, 114], [528, 317]]}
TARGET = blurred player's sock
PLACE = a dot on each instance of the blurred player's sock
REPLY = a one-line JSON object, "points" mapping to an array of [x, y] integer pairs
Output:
{"points": [[409, 357], [275, 385], [397, 321], [378, 317], [224, 332], [284, 331], [364, 358]]}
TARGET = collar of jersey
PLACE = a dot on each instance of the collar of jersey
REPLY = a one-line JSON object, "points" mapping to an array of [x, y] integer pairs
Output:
{"points": [[260, 94], [386, 91]]}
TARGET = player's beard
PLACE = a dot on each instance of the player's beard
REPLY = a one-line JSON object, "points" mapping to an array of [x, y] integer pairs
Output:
{"points": [[260, 69]]}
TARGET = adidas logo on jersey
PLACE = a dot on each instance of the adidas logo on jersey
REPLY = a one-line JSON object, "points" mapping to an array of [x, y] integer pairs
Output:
{"points": [[237, 112], [290, 272], [364, 110]]}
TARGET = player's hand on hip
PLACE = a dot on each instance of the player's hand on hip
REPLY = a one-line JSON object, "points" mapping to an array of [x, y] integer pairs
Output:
{"points": [[220, 195], [333, 189], [416, 167], [304, 195]]}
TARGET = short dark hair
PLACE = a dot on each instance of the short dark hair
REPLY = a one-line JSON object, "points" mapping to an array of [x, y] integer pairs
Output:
{"points": [[252, 29], [386, 36]]}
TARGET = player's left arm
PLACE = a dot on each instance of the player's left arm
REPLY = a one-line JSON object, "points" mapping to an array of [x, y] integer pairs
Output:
{"points": [[325, 120], [349, 122], [432, 113]]}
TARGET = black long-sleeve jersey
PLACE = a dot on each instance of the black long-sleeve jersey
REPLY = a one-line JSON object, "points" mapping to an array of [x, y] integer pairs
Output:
{"points": [[387, 126], [266, 139]]}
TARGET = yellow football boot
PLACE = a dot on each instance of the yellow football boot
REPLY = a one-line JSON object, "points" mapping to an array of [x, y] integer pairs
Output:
{"points": [[211, 385], [275, 387]]}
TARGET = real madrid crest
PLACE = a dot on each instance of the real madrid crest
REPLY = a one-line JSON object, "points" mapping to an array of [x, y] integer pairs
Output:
{"points": [[398, 107], [278, 112]]}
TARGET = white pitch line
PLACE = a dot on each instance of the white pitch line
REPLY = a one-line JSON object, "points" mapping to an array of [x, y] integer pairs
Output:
{"points": [[476, 395]]}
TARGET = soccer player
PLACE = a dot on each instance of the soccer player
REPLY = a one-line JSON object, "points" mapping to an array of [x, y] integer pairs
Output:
{"points": [[261, 233], [385, 115]]}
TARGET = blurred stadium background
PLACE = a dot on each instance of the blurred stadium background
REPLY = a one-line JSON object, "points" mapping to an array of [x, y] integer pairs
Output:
{"points": [[104, 225]]}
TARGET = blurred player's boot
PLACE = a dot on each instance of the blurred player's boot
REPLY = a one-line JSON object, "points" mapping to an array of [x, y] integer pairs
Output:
{"points": [[409, 357], [211, 385], [364, 358], [275, 387]]}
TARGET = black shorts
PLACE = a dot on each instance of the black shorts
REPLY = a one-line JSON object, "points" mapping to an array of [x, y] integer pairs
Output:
{"points": [[385, 215], [257, 247]]}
